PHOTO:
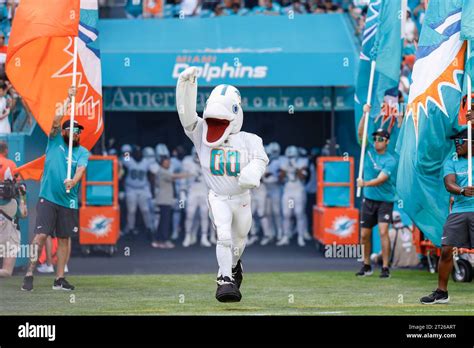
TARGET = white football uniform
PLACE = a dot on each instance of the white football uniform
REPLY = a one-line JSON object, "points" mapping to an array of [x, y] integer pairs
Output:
{"points": [[197, 195], [154, 168], [229, 204], [137, 191], [274, 193], [294, 195], [260, 211]]}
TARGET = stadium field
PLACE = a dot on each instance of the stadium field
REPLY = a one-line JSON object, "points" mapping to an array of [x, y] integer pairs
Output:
{"points": [[309, 293]]}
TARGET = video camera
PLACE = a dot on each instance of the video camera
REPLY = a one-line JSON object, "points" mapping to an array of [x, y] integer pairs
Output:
{"points": [[10, 189]]}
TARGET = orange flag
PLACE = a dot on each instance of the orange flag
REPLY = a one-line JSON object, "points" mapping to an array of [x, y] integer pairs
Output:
{"points": [[40, 65], [32, 170]]}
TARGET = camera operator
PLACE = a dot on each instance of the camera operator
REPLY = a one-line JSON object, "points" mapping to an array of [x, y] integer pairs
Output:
{"points": [[12, 207]]}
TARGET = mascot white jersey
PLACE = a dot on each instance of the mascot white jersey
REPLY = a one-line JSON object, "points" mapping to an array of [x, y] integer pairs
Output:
{"points": [[232, 162]]}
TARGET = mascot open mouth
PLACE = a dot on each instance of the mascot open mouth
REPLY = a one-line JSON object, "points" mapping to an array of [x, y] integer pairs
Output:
{"points": [[215, 128]]}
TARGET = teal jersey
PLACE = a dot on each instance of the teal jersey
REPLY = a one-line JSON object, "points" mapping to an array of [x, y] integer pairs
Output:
{"points": [[374, 164], [55, 171], [458, 167]]}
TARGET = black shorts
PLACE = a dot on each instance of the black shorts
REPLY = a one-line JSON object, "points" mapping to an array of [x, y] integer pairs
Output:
{"points": [[374, 212], [458, 230], [55, 220]]}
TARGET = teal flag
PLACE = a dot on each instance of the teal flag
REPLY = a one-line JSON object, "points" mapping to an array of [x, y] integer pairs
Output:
{"points": [[432, 117], [467, 33], [382, 43]]}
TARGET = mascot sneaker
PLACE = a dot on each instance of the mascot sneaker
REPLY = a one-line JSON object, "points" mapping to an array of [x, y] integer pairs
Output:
{"points": [[227, 290]]}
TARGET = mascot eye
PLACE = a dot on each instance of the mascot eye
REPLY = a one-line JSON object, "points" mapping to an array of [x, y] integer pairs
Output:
{"points": [[235, 108]]}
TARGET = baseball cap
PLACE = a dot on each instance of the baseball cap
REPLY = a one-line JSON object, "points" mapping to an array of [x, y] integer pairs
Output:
{"points": [[382, 132], [460, 134], [67, 125]]}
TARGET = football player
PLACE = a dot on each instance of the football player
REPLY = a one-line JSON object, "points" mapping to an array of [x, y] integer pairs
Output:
{"points": [[138, 190], [294, 170], [274, 190], [197, 195]]}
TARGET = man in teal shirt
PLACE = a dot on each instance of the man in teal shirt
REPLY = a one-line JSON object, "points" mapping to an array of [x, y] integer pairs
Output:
{"points": [[458, 231], [57, 208], [379, 195]]}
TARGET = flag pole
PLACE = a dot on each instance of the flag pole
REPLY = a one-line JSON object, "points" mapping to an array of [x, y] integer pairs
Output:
{"points": [[73, 111], [403, 17], [469, 123], [366, 126]]}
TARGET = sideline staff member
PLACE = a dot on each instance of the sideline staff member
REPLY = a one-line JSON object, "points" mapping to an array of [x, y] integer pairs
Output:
{"points": [[57, 210], [458, 231], [379, 195]]}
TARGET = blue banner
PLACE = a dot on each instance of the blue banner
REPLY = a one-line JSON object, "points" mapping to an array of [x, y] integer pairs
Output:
{"points": [[255, 51]]}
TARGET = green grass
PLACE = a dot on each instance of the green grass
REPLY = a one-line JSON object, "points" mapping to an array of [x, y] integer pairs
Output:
{"points": [[316, 293]]}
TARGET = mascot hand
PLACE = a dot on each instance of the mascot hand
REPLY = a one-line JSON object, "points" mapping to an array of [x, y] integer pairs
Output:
{"points": [[186, 97], [188, 75], [249, 178]]}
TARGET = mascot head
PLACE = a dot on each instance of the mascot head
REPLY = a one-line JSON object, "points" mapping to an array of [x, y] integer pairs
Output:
{"points": [[223, 115]]}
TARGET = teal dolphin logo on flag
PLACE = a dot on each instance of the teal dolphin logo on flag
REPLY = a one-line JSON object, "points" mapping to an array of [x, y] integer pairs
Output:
{"points": [[431, 117]]}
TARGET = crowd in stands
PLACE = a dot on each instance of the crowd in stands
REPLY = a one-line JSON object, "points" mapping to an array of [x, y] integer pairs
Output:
{"points": [[217, 8], [14, 116], [414, 20]]}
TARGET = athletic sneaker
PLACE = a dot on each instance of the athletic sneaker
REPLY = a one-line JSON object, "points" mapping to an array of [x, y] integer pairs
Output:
{"points": [[187, 240], [385, 273], [366, 270], [155, 244], [158, 245], [251, 240], [205, 242], [27, 283], [266, 240], [307, 236], [45, 268], [169, 244], [62, 284], [437, 296], [227, 290], [301, 241], [283, 241], [237, 273]]}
